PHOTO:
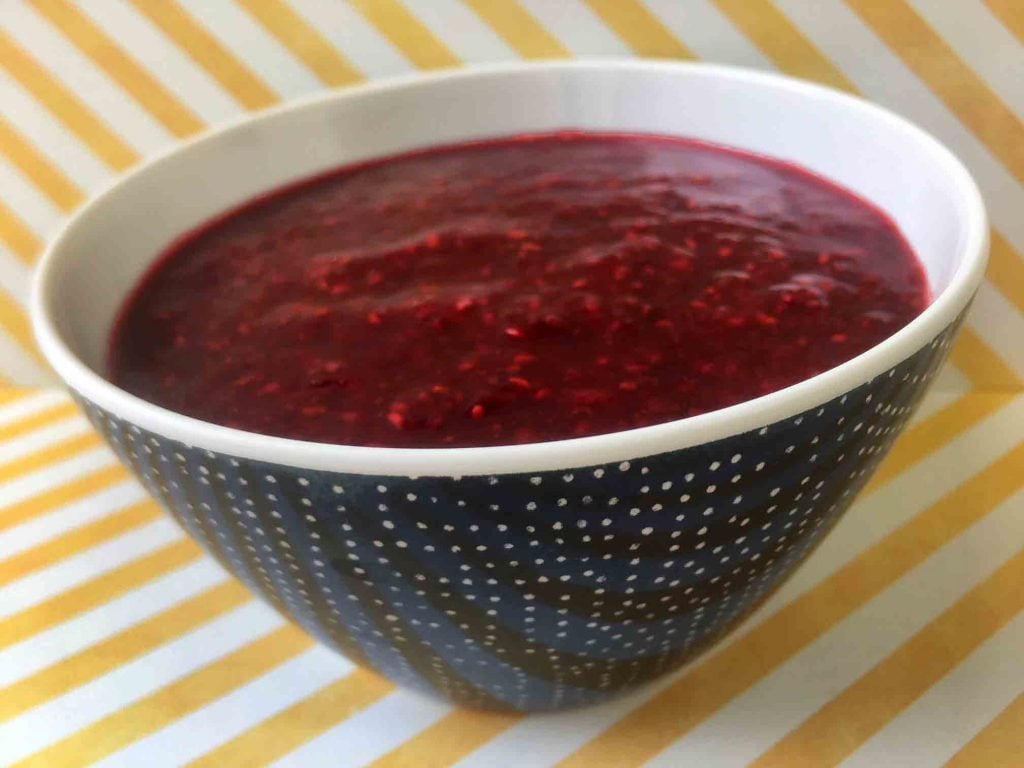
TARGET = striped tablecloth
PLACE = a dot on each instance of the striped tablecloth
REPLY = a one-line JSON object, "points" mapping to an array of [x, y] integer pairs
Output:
{"points": [[900, 642]]}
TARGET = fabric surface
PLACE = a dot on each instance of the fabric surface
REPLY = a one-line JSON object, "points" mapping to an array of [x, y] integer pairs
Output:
{"points": [[897, 643]]}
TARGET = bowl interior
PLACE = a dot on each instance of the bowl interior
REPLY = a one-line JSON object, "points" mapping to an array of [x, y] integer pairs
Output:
{"points": [[111, 245], [89, 269]]}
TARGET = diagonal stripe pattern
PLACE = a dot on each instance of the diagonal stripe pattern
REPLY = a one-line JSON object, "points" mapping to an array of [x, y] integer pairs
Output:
{"points": [[80, 547]]}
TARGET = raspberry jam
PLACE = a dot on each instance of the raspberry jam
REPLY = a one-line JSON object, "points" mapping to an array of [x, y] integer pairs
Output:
{"points": [[516, 290]]}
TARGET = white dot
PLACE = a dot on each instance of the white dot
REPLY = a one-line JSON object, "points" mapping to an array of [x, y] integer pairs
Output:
{"points": [[599, 473], [647, 531], [624, 466]]}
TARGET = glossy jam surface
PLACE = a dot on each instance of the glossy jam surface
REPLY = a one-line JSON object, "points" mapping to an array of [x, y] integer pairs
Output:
{"points": [[512, 291]]}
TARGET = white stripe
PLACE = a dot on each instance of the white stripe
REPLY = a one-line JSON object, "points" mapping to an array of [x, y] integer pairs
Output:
{"points": [[354, 38], [80, 633], [949, 385], [162, 59], [15, 277], [31, 405], [58, 719], [48, 136], [952, 380], [707, 33], [54, 475], [461, 30], [868, 62], [68, 518], [999, 325], [874, 517], [982, 43], [244, 37], [24, 198], [934, 728], [65, 429], [18, 366], [553, 737], [96, 561], [577, 28], [106, 100], [371, 733], [750, 723], [937, 399], [200, 732]]}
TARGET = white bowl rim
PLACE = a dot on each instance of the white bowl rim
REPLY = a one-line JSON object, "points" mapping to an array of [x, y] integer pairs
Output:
{"points": [[546, 456]]}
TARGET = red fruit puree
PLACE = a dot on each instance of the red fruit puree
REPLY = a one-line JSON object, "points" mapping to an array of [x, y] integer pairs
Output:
{"points": [[516, 290]]}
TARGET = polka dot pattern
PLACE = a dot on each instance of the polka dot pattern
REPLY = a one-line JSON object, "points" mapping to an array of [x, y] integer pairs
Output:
{"points": [[541, 590]]}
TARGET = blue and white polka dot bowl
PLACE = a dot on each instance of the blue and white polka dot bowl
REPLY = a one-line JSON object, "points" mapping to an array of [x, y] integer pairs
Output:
{"points": [[538, 576]]}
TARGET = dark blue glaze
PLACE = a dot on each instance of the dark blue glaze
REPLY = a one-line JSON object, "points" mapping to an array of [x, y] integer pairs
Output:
{"points": [[541, 590]]}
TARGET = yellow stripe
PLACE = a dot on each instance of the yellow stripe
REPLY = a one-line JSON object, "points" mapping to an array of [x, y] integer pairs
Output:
{"points": [[983, 367], [773, 34], [47, 455], [966, 94], [173, 702], [1006, 270], [38, 169], [640, 29], [37, 420], [294, 726], [76, 541], [17, 236], [9, 395], [66, 493], [417, 43], [119, 66], [95, 592], [1011, 14], [517, 27], [65, 106], [14, 321], [860, 711], [939, 429], [206, 50], [449, 740], [998, 745], [119, 649], [710, 685], [308, 45]]}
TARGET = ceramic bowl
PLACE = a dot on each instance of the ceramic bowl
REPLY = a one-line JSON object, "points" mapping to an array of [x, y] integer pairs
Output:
{"points": [[538, 576]]}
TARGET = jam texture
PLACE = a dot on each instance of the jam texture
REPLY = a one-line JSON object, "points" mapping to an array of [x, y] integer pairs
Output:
{"points": [[516, 290]]}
